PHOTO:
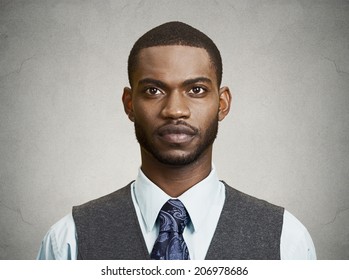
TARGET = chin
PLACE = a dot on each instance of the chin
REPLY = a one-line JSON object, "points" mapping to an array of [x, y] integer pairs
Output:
{"points": [[176, 160]]}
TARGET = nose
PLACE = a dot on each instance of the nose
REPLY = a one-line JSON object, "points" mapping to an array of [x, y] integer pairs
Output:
{"points": [[175, 106]]}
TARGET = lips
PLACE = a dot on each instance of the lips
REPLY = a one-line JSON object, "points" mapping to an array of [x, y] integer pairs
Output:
{"points": [[177, 133]]}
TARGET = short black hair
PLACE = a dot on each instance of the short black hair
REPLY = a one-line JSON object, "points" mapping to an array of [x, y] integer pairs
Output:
{"points": [[176, 33]]}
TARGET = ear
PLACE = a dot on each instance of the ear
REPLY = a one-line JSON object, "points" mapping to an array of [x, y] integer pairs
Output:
{"points": [[224, 102], [127, 101]]}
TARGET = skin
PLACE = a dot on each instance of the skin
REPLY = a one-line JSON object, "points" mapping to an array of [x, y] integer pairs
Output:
{"points": [[176, 104]]}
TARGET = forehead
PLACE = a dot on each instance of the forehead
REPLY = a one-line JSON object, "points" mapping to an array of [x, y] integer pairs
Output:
{"points": [[174, 64]]}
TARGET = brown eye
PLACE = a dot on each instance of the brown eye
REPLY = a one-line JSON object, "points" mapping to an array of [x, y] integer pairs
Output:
{"points": [[197, 90], [152, 91]]}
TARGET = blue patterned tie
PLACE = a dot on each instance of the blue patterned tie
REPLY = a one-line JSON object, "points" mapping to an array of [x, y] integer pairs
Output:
{"points": [[170, 245]]}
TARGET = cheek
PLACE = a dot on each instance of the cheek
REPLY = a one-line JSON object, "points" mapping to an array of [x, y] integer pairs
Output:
{"points": [[139, 114], [144, 116], [206, 113]]}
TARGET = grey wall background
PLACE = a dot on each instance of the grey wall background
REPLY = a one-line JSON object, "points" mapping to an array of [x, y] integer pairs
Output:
{"points": [[64, 138]]}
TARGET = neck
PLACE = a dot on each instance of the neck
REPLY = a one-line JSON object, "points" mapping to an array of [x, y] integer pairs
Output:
{"points": [[175, 180]]}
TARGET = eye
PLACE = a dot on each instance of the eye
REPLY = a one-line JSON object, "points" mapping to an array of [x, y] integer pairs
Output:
{"points": [[197, 90], [152, 91]]}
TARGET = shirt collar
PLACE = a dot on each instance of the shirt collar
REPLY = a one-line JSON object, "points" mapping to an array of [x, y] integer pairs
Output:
{"points": [[197, 200]]}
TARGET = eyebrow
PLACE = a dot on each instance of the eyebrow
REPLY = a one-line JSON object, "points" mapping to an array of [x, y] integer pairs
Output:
{"points": [[197, 80], [161, 84], [155, 82]]}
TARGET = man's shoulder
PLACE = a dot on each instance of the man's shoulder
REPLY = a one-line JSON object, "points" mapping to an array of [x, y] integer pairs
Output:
{"points": [[115, 201], [59, 242], [123, 193], [246, 202]]}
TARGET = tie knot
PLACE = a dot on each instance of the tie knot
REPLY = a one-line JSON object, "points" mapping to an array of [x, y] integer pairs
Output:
{"points": [[173, 216]]}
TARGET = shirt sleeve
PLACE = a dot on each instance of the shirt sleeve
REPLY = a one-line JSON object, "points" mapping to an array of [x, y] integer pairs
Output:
{"points": [[60, 242], [296, 242]]}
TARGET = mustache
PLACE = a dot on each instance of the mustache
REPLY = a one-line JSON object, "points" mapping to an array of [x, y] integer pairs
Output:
{"points": [[177, 127]]}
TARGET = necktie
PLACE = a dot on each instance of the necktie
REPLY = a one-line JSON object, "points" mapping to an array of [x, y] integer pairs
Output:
{"points": [[170, 245]]}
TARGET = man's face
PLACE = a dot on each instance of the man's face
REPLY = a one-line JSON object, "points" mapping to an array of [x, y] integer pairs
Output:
{"points": [[174, 103]]}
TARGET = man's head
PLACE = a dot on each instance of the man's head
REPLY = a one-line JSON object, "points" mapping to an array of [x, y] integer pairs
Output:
{"points": [[174, 100], [171, 34]]}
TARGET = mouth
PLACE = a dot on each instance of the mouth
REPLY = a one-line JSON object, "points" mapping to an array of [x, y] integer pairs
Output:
{"points": [[177, 134]]}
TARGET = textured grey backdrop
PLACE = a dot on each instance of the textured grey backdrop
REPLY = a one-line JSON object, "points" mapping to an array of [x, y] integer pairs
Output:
{"points": [[64, 138]]}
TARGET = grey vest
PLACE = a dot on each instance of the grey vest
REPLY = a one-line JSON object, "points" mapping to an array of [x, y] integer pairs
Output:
{"points": [[248, 228]]}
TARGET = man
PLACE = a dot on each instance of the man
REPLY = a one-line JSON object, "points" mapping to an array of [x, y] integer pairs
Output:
{"points": [[177, 208]]}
